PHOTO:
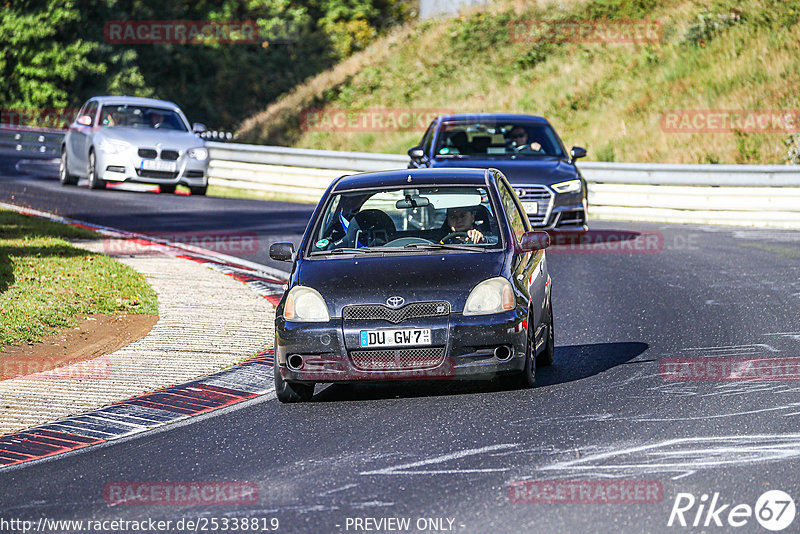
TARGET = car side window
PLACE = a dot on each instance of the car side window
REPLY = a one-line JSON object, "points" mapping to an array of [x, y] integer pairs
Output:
{"points": [[427, 140], [91, 110], [516, 220]]}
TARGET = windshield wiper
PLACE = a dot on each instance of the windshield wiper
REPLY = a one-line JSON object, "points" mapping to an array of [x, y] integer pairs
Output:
{"points": [[445, 247], [344, 250]]}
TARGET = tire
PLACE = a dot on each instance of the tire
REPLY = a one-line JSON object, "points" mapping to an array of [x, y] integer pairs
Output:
{"points": [[95, 182], [200, 190], [527, 377], [166, 189], [291, 391], [63, 175], [548, 354]]}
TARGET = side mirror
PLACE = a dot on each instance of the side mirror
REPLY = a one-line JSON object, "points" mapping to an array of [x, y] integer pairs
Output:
{"points": [[199, 127], [416, 153], [577, 152], [534, 240], [281, 251], [84, 120]]}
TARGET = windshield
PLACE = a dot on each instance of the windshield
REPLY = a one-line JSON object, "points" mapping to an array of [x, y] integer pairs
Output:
{"points": [[407, 219], [120, 115], [497, 139]]}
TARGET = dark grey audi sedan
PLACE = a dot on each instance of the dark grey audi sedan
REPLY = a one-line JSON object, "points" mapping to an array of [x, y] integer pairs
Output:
{"points": [[414, 274]]}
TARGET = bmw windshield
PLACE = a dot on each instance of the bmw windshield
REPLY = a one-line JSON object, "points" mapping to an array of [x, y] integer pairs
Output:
{"points": [[398, 220], [460, 139]]}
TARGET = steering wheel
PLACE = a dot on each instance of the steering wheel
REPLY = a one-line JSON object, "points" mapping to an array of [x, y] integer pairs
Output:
{"points": [[462, 237]]}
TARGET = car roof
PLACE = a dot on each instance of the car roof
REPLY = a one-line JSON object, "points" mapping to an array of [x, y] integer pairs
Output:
{"points": [[134, 101], [494, 117], [419, 177]]}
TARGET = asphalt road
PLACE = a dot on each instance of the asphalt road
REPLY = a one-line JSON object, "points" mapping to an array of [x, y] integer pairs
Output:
{"points": [[441, 452]]}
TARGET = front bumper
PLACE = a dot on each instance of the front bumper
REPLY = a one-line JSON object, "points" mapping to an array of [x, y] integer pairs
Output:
{"points": [[462, 347], [127, 167]]}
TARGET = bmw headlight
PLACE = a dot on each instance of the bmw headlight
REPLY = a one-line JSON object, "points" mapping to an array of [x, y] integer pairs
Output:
{"points": [[570, 186], [112, 147], [199, 153], [305, 305], [494, 295]]}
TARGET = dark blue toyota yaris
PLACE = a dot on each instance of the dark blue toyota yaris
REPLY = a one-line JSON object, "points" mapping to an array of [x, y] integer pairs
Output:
{"points": [[414, 274]]}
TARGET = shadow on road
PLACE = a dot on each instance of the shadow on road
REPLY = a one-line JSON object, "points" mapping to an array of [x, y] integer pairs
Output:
{"points": [[572, 362]]}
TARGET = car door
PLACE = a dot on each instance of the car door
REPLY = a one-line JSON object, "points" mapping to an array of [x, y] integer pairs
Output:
{"points": [[528, 269], [80, 138]]}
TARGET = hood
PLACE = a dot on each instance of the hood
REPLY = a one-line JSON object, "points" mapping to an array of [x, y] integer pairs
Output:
{"points": [[524, 170], [149, 137], [415, 277]]}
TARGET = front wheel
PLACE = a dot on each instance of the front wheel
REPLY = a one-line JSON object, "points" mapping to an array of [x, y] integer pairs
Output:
{"points": [[547, 355], [291, 391], [95, 182], [168, 189], [200, 190], [63, 173]]}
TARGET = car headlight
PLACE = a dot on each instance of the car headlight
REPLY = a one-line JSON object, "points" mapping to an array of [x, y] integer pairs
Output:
{"points": [[494, 295], [570, 186], [112, 147], [199, 153], [305, 305]]}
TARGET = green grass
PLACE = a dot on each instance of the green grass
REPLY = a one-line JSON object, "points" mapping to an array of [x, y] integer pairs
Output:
{"points": [[47, 284], [714, 54], [235, 192]]}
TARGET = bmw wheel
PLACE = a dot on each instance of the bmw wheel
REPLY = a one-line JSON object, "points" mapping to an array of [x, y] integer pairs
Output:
{"points": [[63, 175], [95, 182]]}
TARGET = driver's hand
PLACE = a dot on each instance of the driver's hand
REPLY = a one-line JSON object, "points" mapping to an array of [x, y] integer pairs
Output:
{"points": [[536, 146], [476, 236]]}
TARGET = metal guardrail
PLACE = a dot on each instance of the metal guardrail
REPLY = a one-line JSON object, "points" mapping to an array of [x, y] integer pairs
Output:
{"points": [[32, 142], [753, 195]]}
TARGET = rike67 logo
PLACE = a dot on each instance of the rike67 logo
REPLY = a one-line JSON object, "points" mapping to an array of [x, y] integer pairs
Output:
{"points": [[774, 510]]}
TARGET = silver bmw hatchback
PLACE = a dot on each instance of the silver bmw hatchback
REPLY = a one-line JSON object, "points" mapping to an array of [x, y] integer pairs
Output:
{"points": [[131, 139]]}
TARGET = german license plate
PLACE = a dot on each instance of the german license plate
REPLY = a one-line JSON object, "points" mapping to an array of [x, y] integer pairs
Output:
{"points": [[530, 207], [396, 338], [156, 165]]}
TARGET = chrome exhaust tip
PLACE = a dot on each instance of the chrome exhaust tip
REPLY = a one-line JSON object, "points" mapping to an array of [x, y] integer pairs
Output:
{"points": [[294, 362], [503, 353]]}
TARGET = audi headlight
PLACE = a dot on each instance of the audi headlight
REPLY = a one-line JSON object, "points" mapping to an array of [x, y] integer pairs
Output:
{"points": [[112, 147], [305, 305], [494, 295], [199, 153], [570, 186]]}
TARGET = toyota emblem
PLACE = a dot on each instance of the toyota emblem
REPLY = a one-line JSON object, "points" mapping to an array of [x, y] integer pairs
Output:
{"points": [[395, 302]]}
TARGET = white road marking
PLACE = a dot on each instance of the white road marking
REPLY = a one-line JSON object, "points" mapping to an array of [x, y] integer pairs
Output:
{"points": [[406, 469]]}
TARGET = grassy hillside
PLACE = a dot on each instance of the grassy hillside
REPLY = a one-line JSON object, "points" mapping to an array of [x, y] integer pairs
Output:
{"points": [[608, 97]]}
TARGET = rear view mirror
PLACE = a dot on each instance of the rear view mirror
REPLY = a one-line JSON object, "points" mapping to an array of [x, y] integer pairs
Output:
{"points": [[416, 153], [534, 240], [281, 251], [84, 120], [412, 202], [577, 152]]}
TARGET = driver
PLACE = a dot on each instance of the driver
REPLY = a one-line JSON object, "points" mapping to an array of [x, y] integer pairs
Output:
{"points": [[462, 221], [156, 119], [519, 140]]}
